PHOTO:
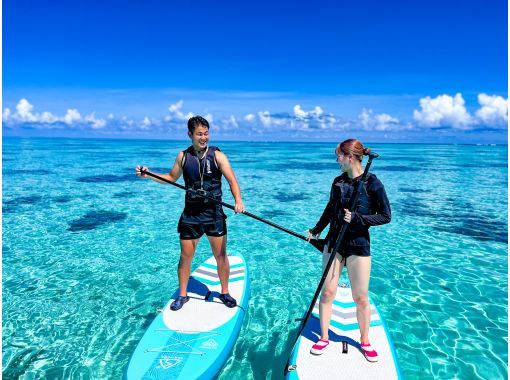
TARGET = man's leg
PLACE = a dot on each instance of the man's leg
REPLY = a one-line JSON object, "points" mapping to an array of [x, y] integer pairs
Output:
{"points": [[184, 269], [219, 249]]}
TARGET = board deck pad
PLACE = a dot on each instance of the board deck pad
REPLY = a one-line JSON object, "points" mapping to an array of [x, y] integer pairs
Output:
{"points": [[333, 363], [195, 341]]}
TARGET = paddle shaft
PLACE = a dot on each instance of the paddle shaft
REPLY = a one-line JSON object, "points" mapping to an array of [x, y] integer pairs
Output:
{"points": [[316, 243], [332, 257]]}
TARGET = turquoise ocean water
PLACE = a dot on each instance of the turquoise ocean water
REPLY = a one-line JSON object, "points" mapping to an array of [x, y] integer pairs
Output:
{"points": [[90, 253]]}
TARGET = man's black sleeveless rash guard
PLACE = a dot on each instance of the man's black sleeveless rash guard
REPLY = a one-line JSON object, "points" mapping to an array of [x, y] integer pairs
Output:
{"points": [[201, 174]]}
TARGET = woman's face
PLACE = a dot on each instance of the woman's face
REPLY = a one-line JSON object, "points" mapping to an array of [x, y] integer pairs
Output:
{"points": [[344, 161], [200, 137]]}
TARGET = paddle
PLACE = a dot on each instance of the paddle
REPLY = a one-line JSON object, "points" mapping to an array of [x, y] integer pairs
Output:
{"points": [[338, 243], [319, 244]]}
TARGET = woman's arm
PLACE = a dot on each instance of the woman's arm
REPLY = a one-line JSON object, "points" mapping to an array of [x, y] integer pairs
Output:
{"points": [[381, 205], [326, 215], [324, 220]]}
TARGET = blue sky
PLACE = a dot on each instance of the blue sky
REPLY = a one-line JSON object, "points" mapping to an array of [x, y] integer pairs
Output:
{"points": [[383, 71]]}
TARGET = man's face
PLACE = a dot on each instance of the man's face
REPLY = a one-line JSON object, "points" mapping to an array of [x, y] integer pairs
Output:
{"points": [[200, 137]]}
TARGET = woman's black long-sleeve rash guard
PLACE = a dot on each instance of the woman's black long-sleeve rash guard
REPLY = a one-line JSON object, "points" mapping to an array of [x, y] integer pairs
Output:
{"points": [[373, 209]]}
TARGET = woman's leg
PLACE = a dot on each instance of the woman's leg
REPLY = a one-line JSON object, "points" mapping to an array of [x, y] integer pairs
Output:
{"points": [[183, 270], [219, 248], [329, 292], [358, 268]]}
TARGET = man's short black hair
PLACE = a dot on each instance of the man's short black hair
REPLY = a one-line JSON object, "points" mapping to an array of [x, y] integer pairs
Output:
{"points": [[195, 121]]}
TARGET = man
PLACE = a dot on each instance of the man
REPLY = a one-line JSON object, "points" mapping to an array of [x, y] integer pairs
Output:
{"points": [[202, 167]]}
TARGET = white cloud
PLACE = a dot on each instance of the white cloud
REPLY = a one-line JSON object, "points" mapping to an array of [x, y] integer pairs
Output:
{"points": [[24, 110], [268, 121], [443, 111], [265, 118], [298, 121], [72, 116], [365, 118], [331, 118], [176, 112], [379, 122], [300, 113], [232, 122], [385, 119], [24, 114], [145, 123], [311, 121], [226, 124], [48, 117], [174, 108], [127, 121], [493, 111], [95, 123], [317, 111], [385, 122], [208, 116], [98, 124], [6, 114]]}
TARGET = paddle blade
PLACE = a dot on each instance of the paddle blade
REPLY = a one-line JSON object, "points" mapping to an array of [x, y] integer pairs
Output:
{"points": [[319, 244]]}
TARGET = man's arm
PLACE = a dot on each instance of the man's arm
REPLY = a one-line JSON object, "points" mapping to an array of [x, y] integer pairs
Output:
{"points": [[174, 174], [227, 171]]}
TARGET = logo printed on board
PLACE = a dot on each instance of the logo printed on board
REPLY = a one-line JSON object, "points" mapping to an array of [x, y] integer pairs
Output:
{"points": [[169, 362], [210, 344]]}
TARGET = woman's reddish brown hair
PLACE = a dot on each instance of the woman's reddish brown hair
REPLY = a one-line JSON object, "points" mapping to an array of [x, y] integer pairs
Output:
{"points": [[354, 147]]}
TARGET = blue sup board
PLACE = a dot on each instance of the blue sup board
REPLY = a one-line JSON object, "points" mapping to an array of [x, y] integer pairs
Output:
{"points": [[344, 335], [195, 341]]}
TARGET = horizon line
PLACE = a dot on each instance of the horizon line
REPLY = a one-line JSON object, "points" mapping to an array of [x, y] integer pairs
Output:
{"points": [[245, 141]]}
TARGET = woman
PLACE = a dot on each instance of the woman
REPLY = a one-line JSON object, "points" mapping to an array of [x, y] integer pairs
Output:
{"points": [[202, 167], [372, 209]]}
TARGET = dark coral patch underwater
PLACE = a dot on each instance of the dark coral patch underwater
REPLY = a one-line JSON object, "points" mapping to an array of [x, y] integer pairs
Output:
{"points": [[26, 171], [108, 178], [457, 216], [274, 213], [398, 168], [28, 200], [94, 219], [412, 190], [289, 197], [12, 205], [62, 199], [124, 194]]}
